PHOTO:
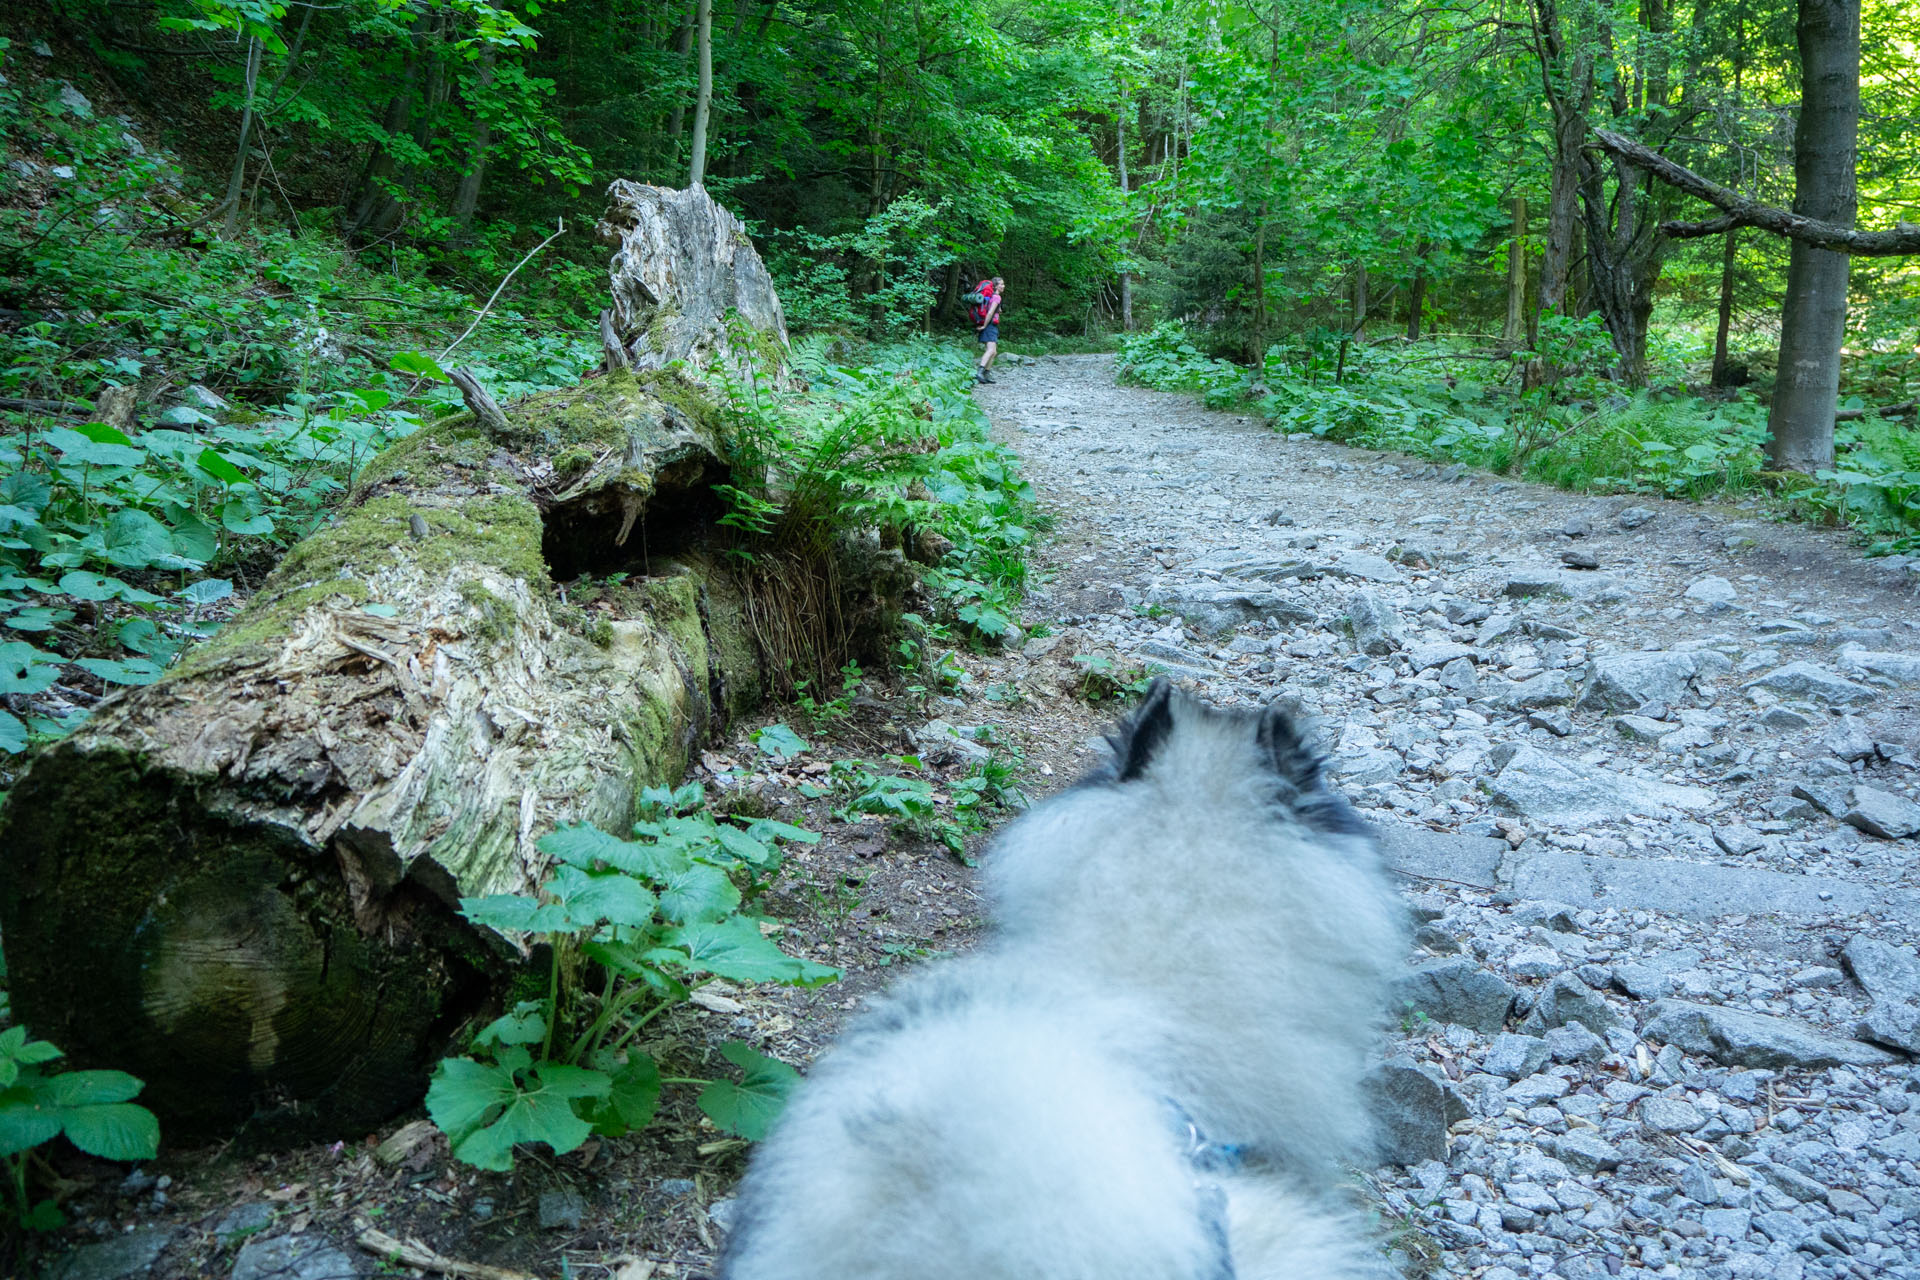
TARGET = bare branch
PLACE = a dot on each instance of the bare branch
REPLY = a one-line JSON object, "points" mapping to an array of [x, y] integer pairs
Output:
{"points": [[1743, 212]]}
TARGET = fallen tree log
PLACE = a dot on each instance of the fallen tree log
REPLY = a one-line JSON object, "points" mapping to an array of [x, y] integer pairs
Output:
{"points": [[240, 883]]}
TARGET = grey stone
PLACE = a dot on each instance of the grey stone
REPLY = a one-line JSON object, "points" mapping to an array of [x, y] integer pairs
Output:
{"points": [[1455, 989], [1362, 566], [1730, 1223], [301, 1257], [1629, 681], [1828, 799], [1559, 583], [1548, 689], [1515, 1056], [1786, 719], [1557, 723], [75, 101], [1577, 527], [1891, 975], [1883, 814], [1374, 626], [1439, 654], [1442, 855], [1367, 767], [1567, 999], [243, 1220], [1535, 962], [1716, 593], [1695, 888], [1634, 517], [1738, 840], [1532, 783], [1218, 610], [1464, 613], [1585, 1151], [721, 1213], [1795, 1183], [132, 1254], [1574, 1043], [1740, 1038], [1901, 668], [1536, 1089], [1412, 1106], [1670, 1115], [1643, 728], [1806, 680], [1850, 739], [1640, 981], [1579, 560], [562, 1210], [1460, 676]]}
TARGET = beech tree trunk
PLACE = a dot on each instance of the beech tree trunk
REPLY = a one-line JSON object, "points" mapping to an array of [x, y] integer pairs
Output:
{"points": [[1515, 332], [703, 100], [467, 198], [241, 883], [1120, 153], [1814, 321], [1724, 327]]}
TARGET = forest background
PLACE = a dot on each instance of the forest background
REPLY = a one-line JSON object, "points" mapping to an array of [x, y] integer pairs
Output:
{"points": [[235, 233]]}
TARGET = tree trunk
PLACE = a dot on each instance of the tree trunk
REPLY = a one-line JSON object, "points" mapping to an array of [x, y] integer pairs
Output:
{"points": [[1120, 159], [237, 177], [1721, 373], [1416, 302], [467, 198], [241, 882], [1814, 321], [1359, 326], [677, 118], [1515, 332], [703, 101]]}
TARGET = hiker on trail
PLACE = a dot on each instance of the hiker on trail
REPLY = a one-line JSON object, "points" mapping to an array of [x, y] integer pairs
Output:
{"points": [[986, 320]]}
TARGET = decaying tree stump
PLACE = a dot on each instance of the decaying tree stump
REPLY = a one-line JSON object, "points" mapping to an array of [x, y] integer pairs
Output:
{"points": [[239, 883]]}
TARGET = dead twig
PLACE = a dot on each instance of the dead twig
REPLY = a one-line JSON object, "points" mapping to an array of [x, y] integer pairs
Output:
{"points": [[412, 1253], [503, 284]]}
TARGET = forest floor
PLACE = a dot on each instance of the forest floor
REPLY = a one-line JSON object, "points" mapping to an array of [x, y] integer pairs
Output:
{"points": [[1627, 800]]}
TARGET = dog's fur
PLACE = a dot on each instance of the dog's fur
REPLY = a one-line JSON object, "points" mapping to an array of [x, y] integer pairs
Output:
{"points": [[1197, 938], [1209, 873], [981, 1126]]}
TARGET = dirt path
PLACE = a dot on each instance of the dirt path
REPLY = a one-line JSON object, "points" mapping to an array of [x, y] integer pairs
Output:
{"points": [[1594, 802]]}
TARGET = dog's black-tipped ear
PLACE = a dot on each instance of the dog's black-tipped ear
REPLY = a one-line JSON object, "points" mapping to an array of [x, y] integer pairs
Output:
{"points": [[1288, 753], [1140, 734]]}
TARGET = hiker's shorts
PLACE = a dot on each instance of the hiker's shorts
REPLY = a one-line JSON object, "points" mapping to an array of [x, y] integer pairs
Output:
{"points": [[990, 334]]}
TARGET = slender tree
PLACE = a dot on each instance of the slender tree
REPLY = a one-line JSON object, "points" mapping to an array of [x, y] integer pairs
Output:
{"points": [[703, 103]]}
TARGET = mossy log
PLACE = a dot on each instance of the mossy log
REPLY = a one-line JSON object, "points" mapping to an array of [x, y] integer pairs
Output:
{"points": [[239, 883]]}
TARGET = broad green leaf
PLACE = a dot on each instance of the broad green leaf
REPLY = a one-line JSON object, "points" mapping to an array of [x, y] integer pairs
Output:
{"points": [[77, 448], [135, 540], [773, 829], [543, 1113], [35, 617], [750, 1107], [236, 516], [464, 1095], [780, 742], [744, 847], [24, 1123], [635, 1094], [85, 1088], [130, 671], [594, 896], [412, 362], [25, 669], [206, 591], [13, 738], [195, 540], [82, 584], [582, 844], [215, 464], [700, 892], [113, 1131], [734, 949], [527, 1024], [515, 912]]}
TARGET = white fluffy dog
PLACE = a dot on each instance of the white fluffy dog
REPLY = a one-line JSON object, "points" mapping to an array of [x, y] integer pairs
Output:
{"points": [[978, 1127], [1208, 872], [1194, 945]]}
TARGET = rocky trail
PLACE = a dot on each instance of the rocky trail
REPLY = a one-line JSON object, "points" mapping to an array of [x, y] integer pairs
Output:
{"points": [[1657, 818], [1649, 771]]}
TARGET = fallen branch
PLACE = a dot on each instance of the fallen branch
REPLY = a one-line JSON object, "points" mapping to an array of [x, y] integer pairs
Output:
{"points": [[486, 410], [1900, 410], [503, 284], [414, 1254], [1744, 212], [58, 408]]}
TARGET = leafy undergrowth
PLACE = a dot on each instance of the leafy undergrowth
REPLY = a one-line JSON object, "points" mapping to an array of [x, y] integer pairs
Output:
{"points": [[175, 411], [1581, 434]]}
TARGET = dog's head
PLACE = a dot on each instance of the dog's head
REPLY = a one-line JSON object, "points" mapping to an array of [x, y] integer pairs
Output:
{"points": [[1168, 721]]}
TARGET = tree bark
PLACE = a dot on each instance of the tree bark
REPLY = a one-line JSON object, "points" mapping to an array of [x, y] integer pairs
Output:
{"points": [[467, 198], [1724, 327], [683, 45], [1814, 321], [241, 882], [703, 100], [1514, 335], [237, 177], [1120, 157], [1416, 301]]}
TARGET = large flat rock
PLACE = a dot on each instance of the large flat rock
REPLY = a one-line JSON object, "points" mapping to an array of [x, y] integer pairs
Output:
{"points": [[1740, 1038], [1695, 888], [1442, 855], [1537, 784]]}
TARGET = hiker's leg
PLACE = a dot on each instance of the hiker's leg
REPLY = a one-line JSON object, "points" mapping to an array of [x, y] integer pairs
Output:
{"points": [[993, 349]]}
